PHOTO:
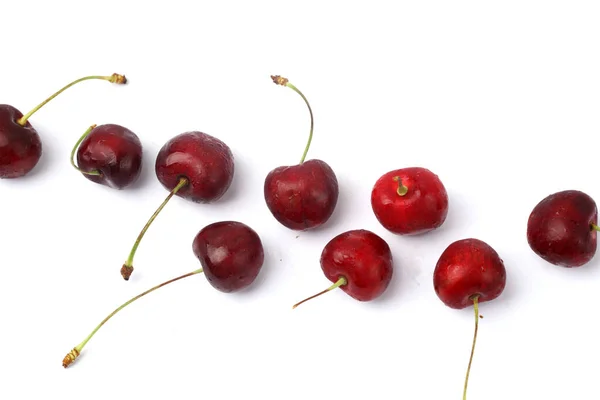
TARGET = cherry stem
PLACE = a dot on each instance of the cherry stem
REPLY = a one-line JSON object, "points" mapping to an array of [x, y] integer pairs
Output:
{"points": [[127, 268], [476, 308], [94, 172], [340, 282], [114, 78], [402, 190], [279, 80], [73, 354], [595, 227]]}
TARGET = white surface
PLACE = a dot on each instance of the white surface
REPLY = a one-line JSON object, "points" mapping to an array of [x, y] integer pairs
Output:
{"points": [[498, 98]]}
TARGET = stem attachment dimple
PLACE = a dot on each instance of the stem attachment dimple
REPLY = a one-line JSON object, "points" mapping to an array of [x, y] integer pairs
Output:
{"points": [[279, 80], [401, 190], [94, 172], [594, 227], [127, 268], [340, 282], [73, 354], [114, 78], [475, 299]]}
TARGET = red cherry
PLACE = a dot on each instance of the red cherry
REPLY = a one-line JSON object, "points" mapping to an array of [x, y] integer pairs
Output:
{"points": [[231, 254], [302, 196], [562, 228], [467, 273], [359, 262], [410, 201], [110, 155]]}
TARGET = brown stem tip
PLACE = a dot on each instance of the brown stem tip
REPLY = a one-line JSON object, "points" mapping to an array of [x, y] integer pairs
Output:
{"points": [[126, 271], [279, 80], [69, 358], [118, 79]]}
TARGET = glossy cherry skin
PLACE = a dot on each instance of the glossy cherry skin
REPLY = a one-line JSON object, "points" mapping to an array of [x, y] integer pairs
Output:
{"points": [[302, 196], [363, 258], [423, 208], [559, 228], [467, 268], [231, 255], [205, 161], [114, 151], [20, 146]]}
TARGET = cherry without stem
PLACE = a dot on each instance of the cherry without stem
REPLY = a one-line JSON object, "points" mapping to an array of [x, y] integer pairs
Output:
{"points": [[410, 201], [109, 154], [563, 228], [20, 143], [359, 262], [194, 166], [469, 272], [231, 254], [301, 196]]}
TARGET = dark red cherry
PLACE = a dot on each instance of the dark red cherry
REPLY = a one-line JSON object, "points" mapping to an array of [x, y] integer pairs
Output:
{"points": [[110, 155], [231, 255], [301, 196], [562, 228], [20, 145], [203, 160]]}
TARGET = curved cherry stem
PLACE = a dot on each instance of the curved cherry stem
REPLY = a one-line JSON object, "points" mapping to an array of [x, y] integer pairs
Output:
{"points": [[114, 78], [284, 82], [402, 190], [595, 227], [73, 354], [340, 282], [94, 172], [476, 308], [127, 268]]}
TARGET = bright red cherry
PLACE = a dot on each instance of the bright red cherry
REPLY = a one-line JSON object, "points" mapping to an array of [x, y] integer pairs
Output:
{"points": [[410, 201], [359, 262], [467, 273]]}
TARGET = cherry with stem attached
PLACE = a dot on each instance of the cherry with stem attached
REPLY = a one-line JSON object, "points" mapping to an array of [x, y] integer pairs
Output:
{"points": [[301, 196], [194, 166], [358, 262], [109, 154], [20, 143], [469, 272], [234, 267]]}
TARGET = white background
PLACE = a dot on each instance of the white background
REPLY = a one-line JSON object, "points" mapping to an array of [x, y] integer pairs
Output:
{"points": [[500, 99]]}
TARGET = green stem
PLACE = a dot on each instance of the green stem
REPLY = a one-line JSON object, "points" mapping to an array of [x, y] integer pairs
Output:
{"points": [[284, 82], [402, 190], [595, 227], [476, 308], [127, 268], [114, 78], [73, 354], [94, 172], [340, 282]]}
